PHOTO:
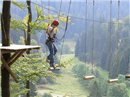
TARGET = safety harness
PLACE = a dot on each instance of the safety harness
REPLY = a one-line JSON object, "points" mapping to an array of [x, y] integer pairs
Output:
{"points": [[49, 37]]}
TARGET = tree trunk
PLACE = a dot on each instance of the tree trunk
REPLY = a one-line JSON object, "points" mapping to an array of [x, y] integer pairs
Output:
{"points": [[5, 25], [28, 39]]}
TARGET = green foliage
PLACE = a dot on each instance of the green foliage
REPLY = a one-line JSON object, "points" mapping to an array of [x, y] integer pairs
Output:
{"points": [[16, 89], [77, 69], [50, 80], [22, 40], [30, 67], [118, 90], [102, 83], [47, 95], [101, 46], [123, 80], [65, 63], [43, 80], [95, 91], [20, 5], [66, 50], [33, 90]]}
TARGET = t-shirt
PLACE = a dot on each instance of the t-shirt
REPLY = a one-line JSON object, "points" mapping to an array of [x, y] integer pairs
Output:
{"points": [[52, 33]]}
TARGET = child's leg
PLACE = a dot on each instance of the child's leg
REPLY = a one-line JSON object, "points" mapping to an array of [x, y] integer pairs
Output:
{"points": [[55, 48], [48, 57], [51, 49]]}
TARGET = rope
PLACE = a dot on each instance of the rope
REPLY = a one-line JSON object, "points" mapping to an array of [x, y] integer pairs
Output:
{"points": [[66, 22], [110, 39], [93, 37], [59, 12], [48, 10], [117, 40], [44, 31], [60, 9], [85, 38], [78, 17], [65, 30]]}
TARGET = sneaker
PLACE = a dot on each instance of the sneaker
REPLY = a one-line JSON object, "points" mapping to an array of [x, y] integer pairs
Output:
{"points": [[54, 66], [47, 60]]}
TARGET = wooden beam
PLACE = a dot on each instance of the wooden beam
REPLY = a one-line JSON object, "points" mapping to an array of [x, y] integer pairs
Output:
{"points": [[11, 58], [9, 70], [20, 53], [6, 51]]}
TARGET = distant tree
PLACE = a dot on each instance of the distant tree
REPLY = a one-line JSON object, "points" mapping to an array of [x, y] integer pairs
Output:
{"points": [[118, 90], [96, 73], [102, 85], [124, 56], [47, 95], [95, 91], [123, 80], [33, 90]]}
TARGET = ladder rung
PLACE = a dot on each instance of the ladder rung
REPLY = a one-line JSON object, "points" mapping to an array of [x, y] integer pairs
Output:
{"points": [[88, 77], [127, 76], [52, 69], [112, 80]]}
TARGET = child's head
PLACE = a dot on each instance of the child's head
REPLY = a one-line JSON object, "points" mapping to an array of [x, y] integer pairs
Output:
{"points": [[55, 23]]}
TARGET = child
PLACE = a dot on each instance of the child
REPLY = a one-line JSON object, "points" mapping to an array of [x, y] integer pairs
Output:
{"points": [[50, 43]]}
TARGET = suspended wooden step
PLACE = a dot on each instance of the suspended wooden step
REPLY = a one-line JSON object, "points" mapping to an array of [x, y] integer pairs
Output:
{"points": [[127, 76], [112, 80], [52, 68], [88, 77]]}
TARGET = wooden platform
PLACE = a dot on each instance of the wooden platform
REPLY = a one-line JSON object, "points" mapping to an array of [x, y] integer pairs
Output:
{"points": [[17, 51], [14, 48]]}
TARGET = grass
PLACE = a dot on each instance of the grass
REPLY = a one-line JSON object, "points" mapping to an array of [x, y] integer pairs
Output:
{"points": [[71, 44], [66, 85], [69, 85]]}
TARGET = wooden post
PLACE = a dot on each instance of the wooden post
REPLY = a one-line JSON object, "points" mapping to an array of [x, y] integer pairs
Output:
{"points": [[5, 25]]}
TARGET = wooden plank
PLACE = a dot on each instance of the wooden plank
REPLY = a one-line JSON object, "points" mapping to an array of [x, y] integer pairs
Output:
{"points": [[18, 47], [127, 76], [112, 80], [88, 77], [9, 70]]}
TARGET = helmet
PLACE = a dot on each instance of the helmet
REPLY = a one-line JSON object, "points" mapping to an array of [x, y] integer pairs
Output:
{"points": [[56, 22]]}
